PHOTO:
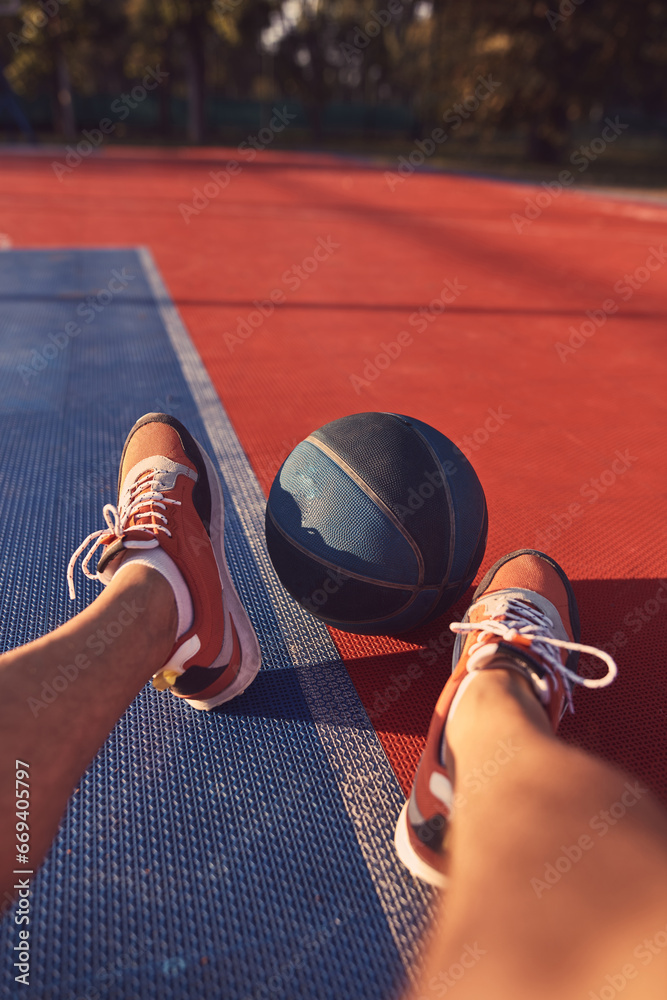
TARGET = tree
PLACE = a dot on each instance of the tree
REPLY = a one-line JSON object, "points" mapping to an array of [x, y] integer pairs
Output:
{"points": [[556, 63], [191, 37], [58, 49]]}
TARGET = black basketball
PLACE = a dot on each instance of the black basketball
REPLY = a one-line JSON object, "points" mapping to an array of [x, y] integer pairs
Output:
{"points": [[376, 523]]}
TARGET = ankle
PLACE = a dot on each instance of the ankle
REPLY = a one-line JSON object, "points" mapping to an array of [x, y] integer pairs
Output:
{"points": [[146, 589], [498, 696], [503, 678], [137, 574], [157, 563]]}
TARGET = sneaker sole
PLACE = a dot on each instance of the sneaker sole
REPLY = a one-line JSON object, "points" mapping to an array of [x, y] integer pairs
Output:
{"points": [[409, 857], [251, 657]]}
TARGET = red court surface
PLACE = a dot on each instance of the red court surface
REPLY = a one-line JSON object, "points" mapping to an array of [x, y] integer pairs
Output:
{"points": [[568, 442]]}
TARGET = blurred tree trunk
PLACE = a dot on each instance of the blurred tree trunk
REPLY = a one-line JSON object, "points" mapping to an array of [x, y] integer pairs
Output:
{"points": [[196, 78], [64, 121], [317, 90], [164, 91]]}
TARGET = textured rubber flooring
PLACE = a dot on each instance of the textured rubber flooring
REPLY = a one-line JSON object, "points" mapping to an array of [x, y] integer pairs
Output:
{"points": [[559, 423], [547, 466], [242, 853]]}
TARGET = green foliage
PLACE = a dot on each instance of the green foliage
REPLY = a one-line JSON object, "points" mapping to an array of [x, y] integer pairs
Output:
{"points": [[558, 61], [90, 33]]}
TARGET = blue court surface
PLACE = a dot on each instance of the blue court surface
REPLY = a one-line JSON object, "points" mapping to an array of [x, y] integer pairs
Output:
{"points": [[244, 853]]}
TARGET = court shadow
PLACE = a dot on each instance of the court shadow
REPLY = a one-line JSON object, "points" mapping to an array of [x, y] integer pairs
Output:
{"points": [[625, 723], [274, 694]]}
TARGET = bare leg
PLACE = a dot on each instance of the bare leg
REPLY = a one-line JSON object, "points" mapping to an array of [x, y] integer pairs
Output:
{"points": [[590, 925], [124, 636]]}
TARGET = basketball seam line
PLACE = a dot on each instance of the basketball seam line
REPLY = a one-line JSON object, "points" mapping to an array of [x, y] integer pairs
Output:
{"points": [[415, 588], [370, 492], [450, 511]]}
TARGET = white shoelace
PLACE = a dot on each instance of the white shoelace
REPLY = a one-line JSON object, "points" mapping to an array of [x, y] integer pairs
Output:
{"points": [[521, 619], [117, 523]]}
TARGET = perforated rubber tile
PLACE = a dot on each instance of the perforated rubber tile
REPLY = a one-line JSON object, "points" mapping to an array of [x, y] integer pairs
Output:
{"points": [[557, 420], [241, 853]]}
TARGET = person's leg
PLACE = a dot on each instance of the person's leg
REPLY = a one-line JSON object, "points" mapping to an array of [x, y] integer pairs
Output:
{"points": [[558, 876], [170, 610], [555, 864], [95, 664]]}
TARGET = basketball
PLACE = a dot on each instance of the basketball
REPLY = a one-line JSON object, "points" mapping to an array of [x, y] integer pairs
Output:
{"points": [[376, 523]]}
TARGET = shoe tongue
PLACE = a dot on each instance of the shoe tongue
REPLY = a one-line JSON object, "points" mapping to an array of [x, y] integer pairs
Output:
{"points": [[165, 473], [496, 605]]}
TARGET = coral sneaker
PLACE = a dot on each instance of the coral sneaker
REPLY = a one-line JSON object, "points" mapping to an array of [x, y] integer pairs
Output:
{"points": [[524, 609], [169, 495]]}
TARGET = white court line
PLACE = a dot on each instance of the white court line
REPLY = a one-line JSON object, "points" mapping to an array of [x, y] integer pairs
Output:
{"points": [[365, 779]]}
